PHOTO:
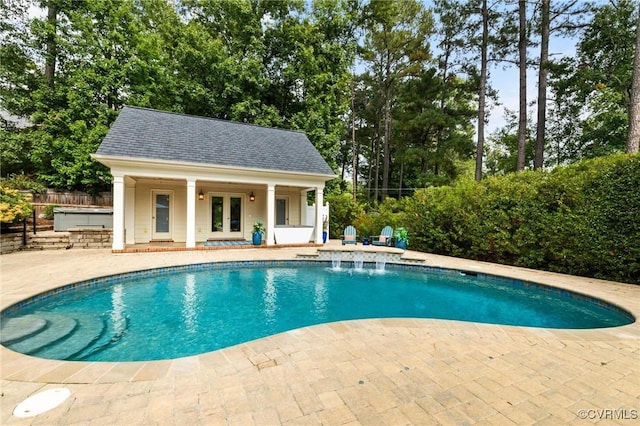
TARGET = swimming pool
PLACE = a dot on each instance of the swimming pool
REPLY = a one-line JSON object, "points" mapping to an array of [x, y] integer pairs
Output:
{"points": [[180, 311]]}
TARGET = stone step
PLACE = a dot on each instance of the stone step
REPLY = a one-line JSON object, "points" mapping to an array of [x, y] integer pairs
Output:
{"points": [[50, 247], [90, 328], [58, 327], [13, 330], [48, 241], [48, 244]]}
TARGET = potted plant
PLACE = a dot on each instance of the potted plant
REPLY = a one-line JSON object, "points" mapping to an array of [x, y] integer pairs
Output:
{"points": [[258, 230], [401, 236]]}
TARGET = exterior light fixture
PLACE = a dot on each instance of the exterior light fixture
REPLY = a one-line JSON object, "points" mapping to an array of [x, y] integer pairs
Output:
{"points": [[252, 197], [201, 195]]}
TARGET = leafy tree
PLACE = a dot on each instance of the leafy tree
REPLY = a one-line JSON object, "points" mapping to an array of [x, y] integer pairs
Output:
{"points": [[272, 63], [281, 64], [86, 83], [367, 112], [565, 18], [434, 129], [19, 75], [502, 157], [324, 71], [482, 86], [545, 33], [473, 34], [633, 136], [592, 91], [395, 47]]}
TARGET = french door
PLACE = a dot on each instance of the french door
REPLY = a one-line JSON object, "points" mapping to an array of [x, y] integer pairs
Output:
{"points": [[282, 211], [161, 216], [227, 216]]}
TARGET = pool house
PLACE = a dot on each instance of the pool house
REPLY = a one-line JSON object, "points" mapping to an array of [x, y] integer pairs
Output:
{"points": [[193, 180]]}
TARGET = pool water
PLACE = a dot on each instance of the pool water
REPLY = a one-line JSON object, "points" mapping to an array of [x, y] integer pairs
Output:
{"points": [[183, 313]]}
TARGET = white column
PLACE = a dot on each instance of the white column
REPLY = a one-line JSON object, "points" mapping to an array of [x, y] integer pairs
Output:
{"points": [[319, 203], [271, 214], [191, 213], [118, 213], [130, 213]]}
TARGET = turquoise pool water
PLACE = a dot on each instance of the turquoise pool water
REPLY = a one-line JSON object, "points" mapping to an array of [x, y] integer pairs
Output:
{"points": [[187, 311]]}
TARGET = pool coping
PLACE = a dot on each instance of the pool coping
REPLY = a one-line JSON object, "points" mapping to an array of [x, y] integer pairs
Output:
{"points": [[19, 367]]}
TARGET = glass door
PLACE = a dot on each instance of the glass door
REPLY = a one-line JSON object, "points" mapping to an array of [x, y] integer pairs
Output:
{"points": [[227, 216], [161, 216], [282, 215], [235, 216], [217, 214]]}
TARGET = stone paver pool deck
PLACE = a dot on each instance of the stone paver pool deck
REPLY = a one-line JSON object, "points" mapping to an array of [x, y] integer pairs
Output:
{"points": [[386, 371]]}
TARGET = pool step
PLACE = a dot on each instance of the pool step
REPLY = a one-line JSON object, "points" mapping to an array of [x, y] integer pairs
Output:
{"points": [[52, 336], [13, 330], [89, 329], [58, 327], [109, 338]]}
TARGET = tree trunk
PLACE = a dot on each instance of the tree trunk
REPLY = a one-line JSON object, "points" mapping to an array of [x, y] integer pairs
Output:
{"points": [[400, 184], [354, 158], [52, 50], [538, 161], [522, 118], [387, 141], [377, 170], [370, 171], [633, 138], [482, 89]]}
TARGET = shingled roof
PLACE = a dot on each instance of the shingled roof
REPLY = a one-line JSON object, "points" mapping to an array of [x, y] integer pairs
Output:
{"points": [[151, 134]]}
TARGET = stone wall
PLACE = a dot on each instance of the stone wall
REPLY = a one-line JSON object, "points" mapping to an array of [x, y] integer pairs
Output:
{"points": [[84, 238], [90, 237], [10, 242]]}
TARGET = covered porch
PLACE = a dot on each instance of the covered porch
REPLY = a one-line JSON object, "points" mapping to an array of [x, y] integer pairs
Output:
{"points": [[158, 207]]}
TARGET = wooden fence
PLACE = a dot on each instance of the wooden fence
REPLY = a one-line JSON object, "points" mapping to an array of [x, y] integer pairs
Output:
{"points": [[104, 199], [70, 199]]}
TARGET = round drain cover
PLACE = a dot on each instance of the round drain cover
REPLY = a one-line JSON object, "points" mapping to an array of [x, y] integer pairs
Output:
{"points": [[41, 402]]}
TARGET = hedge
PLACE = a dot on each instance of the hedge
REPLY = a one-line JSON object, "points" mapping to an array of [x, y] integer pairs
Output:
{"points": [[582, 219]]}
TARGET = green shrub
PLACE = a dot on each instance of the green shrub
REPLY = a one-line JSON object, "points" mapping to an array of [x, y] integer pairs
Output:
{"points": [[611, 233], [364, 224], [48, 211], [390, 212], [344, 211], [582, 219]]}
